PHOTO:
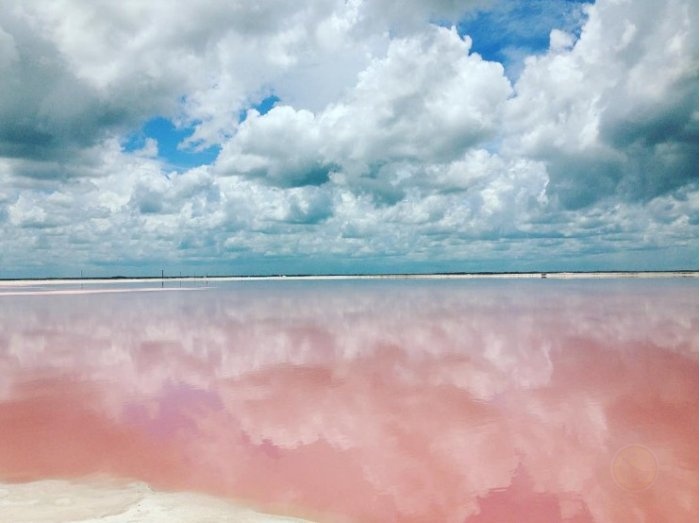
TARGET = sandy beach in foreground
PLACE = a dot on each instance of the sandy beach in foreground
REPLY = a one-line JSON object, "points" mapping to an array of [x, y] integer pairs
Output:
{"points": [[106, 501]]}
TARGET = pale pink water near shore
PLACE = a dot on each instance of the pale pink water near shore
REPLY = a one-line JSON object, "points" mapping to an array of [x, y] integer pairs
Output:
{"points": [[457, 401]]}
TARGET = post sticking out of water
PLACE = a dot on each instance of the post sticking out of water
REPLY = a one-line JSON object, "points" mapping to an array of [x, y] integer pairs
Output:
{"points": [[162, 277]]}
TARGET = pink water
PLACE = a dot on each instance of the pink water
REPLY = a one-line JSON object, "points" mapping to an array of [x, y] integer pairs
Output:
{"points": [[457, 401]]}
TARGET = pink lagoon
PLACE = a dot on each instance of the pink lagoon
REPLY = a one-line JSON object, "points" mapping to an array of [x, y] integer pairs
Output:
{"points": [[467, 401]]}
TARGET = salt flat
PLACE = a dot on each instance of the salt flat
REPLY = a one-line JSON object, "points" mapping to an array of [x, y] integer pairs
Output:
{"points": [[107, 501]]}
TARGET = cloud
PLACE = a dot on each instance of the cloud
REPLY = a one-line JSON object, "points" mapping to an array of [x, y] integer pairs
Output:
{"points": [[46, 112], [392, 144], [76, 72], [402, 18], [616, 114], [215, 58], [280, 148], [311, 206], [427, 100]]}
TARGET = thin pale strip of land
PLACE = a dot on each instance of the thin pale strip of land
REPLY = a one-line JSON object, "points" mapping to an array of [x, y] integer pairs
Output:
{"points": [[436, 276]]}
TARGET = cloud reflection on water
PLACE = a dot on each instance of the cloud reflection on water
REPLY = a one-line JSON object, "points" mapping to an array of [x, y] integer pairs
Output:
{"points": [[364, 401]]}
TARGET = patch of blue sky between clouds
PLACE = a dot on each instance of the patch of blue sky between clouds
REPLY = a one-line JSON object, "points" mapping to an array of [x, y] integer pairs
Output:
{"points": [[170, 139], [512, 29], [170, 149], [263, 107]]}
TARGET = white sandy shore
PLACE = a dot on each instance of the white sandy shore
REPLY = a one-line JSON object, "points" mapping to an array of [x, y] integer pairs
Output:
{"points": [[505, 275], [105, 501], [42, 292]]}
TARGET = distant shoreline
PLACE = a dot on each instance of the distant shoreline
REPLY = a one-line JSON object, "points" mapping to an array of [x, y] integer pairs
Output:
{"points": [[563, 275]]}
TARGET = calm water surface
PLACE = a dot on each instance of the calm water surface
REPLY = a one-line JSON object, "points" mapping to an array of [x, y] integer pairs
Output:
{"points": [[457, 401]]}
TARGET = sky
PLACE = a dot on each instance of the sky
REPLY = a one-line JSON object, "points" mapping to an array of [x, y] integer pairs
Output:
{"points": [[347, 136]]}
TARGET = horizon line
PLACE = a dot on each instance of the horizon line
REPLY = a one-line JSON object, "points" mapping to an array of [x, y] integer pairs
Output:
{"points": [[311, 276]]}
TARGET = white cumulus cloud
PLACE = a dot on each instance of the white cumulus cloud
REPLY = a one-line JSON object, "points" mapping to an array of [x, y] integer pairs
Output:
{"points": [[393, 143]]}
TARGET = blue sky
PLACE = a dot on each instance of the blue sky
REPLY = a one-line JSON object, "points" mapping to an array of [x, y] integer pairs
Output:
{"points": [[348, 137], [510, 30], [169, 137]]}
